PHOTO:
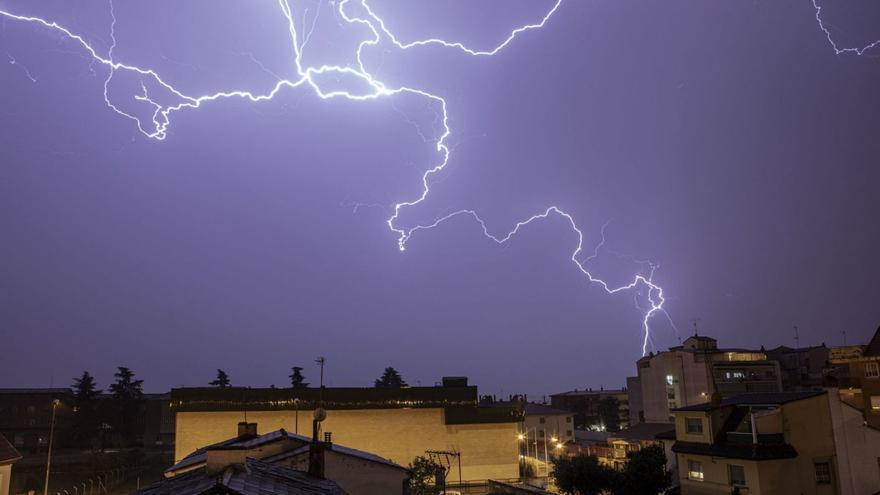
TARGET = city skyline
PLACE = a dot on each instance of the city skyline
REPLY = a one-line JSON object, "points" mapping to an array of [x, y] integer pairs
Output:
{"points": [[254, 236]]}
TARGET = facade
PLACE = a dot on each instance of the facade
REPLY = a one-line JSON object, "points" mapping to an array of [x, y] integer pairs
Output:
{"points": [[8, 456], [26, 414], [802, 368], [585, 404], [614, 451], [694, 372], [159, 427], [397, 424], [772, 443], [861, 378]]}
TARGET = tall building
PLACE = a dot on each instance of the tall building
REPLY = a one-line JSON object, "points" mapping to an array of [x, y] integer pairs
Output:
{"points": [[26, 414], [693, 373], [587, 404], [802, 368], [397, 424]]}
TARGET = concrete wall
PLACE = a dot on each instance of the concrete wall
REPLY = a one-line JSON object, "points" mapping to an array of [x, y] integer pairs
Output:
{"points": [[356, 476], [487, 450], [5, 476], [808, 427], [857, 447], [691, 382], [716, 479]]}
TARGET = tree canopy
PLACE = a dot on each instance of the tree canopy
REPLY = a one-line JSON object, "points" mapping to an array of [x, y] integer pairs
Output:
{"points": [[424, 477], [390, 379], [582, 475], [297, 380], [222, 380], [645, 473]]}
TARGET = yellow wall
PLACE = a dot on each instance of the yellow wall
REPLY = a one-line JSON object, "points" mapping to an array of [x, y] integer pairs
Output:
{"points": [[487, 450], [681, 433], [715, 477], [356, 476]]}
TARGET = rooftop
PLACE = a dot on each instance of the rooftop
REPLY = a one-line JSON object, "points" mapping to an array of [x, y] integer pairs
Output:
{"points": [[763, 399], [200, 456], [8, 454], [737, 451], [339, 449], [645, 431], [253, 478], [586, 392]]}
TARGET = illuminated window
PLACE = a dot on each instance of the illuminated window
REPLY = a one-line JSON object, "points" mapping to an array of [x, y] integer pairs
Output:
{"points": [[875, 402], [823, 473], [872, 369], [694, 426], [737, 475], [669, 379], [695, 470]]}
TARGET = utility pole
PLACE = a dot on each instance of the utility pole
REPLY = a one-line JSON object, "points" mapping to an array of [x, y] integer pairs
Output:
{"points": [[321, 360], [51, 438], [797, 340]]}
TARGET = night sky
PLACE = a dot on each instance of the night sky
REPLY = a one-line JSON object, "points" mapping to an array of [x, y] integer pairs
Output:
{"points": [[725, 142]]}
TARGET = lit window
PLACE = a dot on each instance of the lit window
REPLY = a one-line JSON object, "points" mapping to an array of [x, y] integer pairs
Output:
{"points": [[875, 402], [669, 379], [694, 426], [695, 470], [823, 473], [737, 475], [872, 369]]}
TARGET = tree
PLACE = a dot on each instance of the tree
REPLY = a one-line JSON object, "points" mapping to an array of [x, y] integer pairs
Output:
{"points": [[609, 413], [423, 480], [297, 380], [645, 473], [582, 475], [86, 418], [127, 399], [222, 380], [390, 379]]}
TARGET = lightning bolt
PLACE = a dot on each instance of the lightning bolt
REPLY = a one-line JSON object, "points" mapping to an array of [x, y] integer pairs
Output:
{"points": [[827, 31], [308, 76]]}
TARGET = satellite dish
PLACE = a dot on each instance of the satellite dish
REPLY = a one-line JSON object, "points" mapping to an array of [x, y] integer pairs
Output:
{"points": [[320, 414]]}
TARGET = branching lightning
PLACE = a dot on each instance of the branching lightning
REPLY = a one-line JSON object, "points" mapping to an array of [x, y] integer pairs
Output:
{"points": [[837, 49], [307, 76]]}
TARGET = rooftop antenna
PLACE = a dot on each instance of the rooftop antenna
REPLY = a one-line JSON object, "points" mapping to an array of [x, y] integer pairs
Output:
{"points": [[321, 360], [797, 340], [695, 321]]}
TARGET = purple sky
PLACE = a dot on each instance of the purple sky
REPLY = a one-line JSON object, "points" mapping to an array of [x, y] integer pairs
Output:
{"points": [[726, 142]]}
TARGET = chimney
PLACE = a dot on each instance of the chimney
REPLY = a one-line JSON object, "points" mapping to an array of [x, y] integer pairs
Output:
{"points": [[247, 429]]}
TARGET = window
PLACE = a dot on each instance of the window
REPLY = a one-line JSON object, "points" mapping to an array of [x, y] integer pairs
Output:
{"points": [[669, 379], [823, 473], [737, 475], [872, 369], [542, 420], [568, 433], [568, 419], [875, 402], [695, 470], [694, 426], [541, 433]]}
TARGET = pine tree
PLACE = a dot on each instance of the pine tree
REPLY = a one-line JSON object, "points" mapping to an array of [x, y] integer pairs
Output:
{"points": [[86, 418], [127, 399], [297, 380], [222, 380], [390, 379]]}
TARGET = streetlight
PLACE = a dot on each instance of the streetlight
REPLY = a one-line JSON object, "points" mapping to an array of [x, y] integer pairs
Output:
{"points": [[51, 437]]}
